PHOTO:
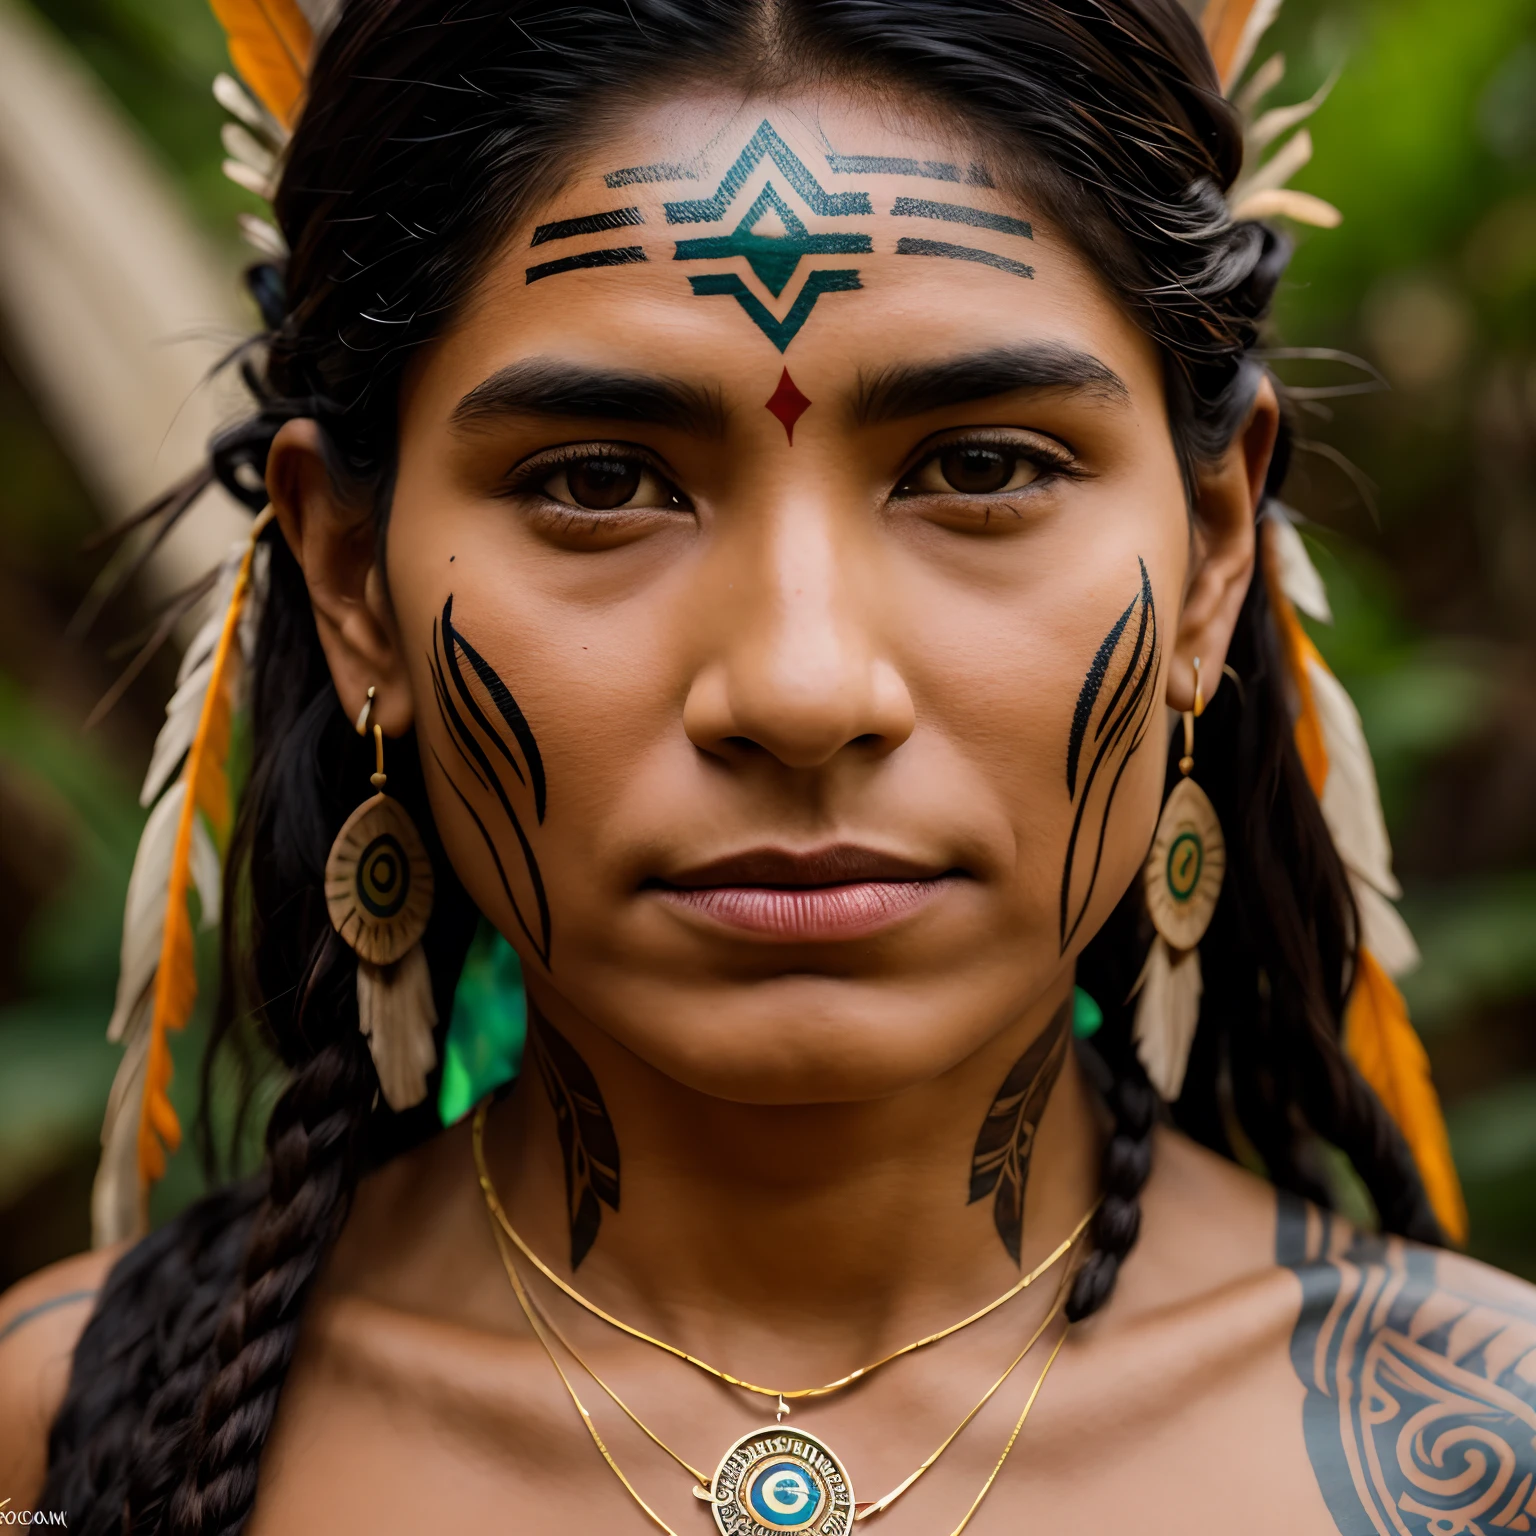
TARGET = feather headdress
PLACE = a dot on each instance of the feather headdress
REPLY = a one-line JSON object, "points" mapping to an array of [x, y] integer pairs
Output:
{"points": [[1328, 734], [1233, 30], [1331, 742], [188, 787], [271, 43]]}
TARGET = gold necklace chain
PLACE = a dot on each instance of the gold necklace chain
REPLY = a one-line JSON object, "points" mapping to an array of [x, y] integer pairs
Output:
{"points": [[784, 1395], [542, 1324], [785, 1470]]}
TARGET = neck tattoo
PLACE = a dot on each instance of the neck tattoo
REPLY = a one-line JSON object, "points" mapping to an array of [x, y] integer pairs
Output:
{"points": [[1006, 1141]]}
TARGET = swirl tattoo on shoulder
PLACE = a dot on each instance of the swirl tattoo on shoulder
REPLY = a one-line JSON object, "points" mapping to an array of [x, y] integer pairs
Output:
{"points": [[1420, 1415], [467, 701]]}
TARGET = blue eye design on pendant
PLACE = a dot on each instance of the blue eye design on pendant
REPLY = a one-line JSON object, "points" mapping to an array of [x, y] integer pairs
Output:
{"points": [[784, 1496]]}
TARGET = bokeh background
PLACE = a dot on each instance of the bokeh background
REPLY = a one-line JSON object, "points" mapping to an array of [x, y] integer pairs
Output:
{"points": [[119, 288]]}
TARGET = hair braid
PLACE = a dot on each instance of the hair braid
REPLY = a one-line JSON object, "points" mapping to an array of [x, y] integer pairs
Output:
{"points": [[314, 1141], [1127, 1163], [119, 1440]]}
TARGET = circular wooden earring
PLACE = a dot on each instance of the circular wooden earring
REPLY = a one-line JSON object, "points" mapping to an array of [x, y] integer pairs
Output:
{"points": [[1188, 860], [378, 878]]}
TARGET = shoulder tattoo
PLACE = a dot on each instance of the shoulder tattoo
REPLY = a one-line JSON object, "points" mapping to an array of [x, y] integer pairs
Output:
{"points": [[1420, 1416]]}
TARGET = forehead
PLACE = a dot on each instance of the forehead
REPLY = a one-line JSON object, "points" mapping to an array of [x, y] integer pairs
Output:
{"points": [[723, 239]]}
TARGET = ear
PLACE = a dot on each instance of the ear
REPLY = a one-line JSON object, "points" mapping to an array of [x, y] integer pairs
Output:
{"points": [[1223, 544], [337, 549]]}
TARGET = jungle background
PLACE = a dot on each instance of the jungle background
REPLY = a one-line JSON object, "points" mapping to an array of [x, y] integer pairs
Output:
{"points": [[1420, 498]]}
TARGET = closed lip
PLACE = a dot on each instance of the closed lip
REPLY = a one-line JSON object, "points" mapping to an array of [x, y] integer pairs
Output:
{"points": [[843, 891]]}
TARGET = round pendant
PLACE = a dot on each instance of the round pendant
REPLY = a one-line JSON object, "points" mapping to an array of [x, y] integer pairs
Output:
{"points": [[776, 1480], [1185, 867]]}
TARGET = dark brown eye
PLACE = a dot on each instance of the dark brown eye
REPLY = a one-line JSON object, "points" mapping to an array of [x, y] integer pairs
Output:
{"points": [[602, 483], [971, 469], [975, 470]]}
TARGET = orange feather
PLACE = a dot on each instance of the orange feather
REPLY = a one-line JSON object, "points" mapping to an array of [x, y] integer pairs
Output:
{"points": [[1300, 656], [269, 45], [207, 780], [1391, 1058], [1225, 24]]}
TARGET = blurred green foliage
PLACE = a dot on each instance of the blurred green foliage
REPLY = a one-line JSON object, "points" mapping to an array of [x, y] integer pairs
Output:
{"points": [[1421, 509]]}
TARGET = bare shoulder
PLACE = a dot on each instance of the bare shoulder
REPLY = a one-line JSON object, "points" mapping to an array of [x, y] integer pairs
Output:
{"points": [[41, 1320], [1419, 1368]]}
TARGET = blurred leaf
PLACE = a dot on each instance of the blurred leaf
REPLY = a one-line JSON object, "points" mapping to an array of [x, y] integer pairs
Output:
{"points": [[1495, 1133], [1479, 944]]}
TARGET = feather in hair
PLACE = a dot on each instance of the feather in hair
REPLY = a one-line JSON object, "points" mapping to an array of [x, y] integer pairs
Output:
{"points": [[269, 45], [1232, 31], [1288, 203], [1391, 1058], [239, 102], [178, 853]]}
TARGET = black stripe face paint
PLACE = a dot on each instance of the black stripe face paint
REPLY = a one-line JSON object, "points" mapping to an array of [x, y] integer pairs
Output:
{"points": [[497, 751], [908, 246], [1114, 709]]}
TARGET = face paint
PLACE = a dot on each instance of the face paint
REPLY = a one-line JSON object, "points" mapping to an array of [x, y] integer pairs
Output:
{"points": [[788, 404], [591, 224], [910, 246], [1113, 710], [772, 236], [469, 729], [619, 256]]}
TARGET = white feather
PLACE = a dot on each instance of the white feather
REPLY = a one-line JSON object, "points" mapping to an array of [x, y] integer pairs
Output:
{"points": [[1288, 203], [1277, 170], [207, 873], [1383, 931], [396, 1013], [255, 603], [264, 238], [1260, 19], [320, 14], [116, 1200], [243, 145], [1281, 120], [1298, 577], [1167, 1012], [253, 181], [185, 708], [144, 915], [239, 102], [1265, 78], [1351, 802]]}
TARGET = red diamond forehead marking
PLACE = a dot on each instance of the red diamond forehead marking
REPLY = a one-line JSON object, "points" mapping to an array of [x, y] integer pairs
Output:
{"points": [[788, 404]]}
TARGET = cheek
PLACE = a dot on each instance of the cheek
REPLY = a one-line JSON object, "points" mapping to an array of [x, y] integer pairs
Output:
{"points": [[1051, 694]]}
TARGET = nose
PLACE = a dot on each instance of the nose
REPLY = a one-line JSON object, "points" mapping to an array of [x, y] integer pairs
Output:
{"points": [[795, 668]]}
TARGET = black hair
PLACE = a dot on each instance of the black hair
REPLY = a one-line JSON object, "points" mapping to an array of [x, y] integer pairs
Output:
{"points": [[395, 193]]}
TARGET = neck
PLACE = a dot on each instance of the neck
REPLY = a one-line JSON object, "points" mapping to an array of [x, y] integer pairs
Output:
{"points": [[843, 1227]]}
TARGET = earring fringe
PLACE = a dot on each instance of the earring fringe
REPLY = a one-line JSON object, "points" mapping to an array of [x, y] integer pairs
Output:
{"points": [[179, 851], [397, 1015], [1167, 994]]}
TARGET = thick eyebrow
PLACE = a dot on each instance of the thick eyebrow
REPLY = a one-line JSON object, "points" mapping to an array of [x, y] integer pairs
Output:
{"points": [[543, 386], [913, 389]]}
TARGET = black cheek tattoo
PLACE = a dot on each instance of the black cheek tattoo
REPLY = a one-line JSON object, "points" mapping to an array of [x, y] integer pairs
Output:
{"points": [[1000, 1163], [1420, 1413], [1110, 722], [476, 737], [588, 1145]]}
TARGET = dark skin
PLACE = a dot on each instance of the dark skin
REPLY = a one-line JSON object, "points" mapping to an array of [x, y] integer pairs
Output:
{"points": [[723, 631]]}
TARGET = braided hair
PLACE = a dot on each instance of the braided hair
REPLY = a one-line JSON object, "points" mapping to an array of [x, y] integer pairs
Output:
{"points": [[394, 196]]}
